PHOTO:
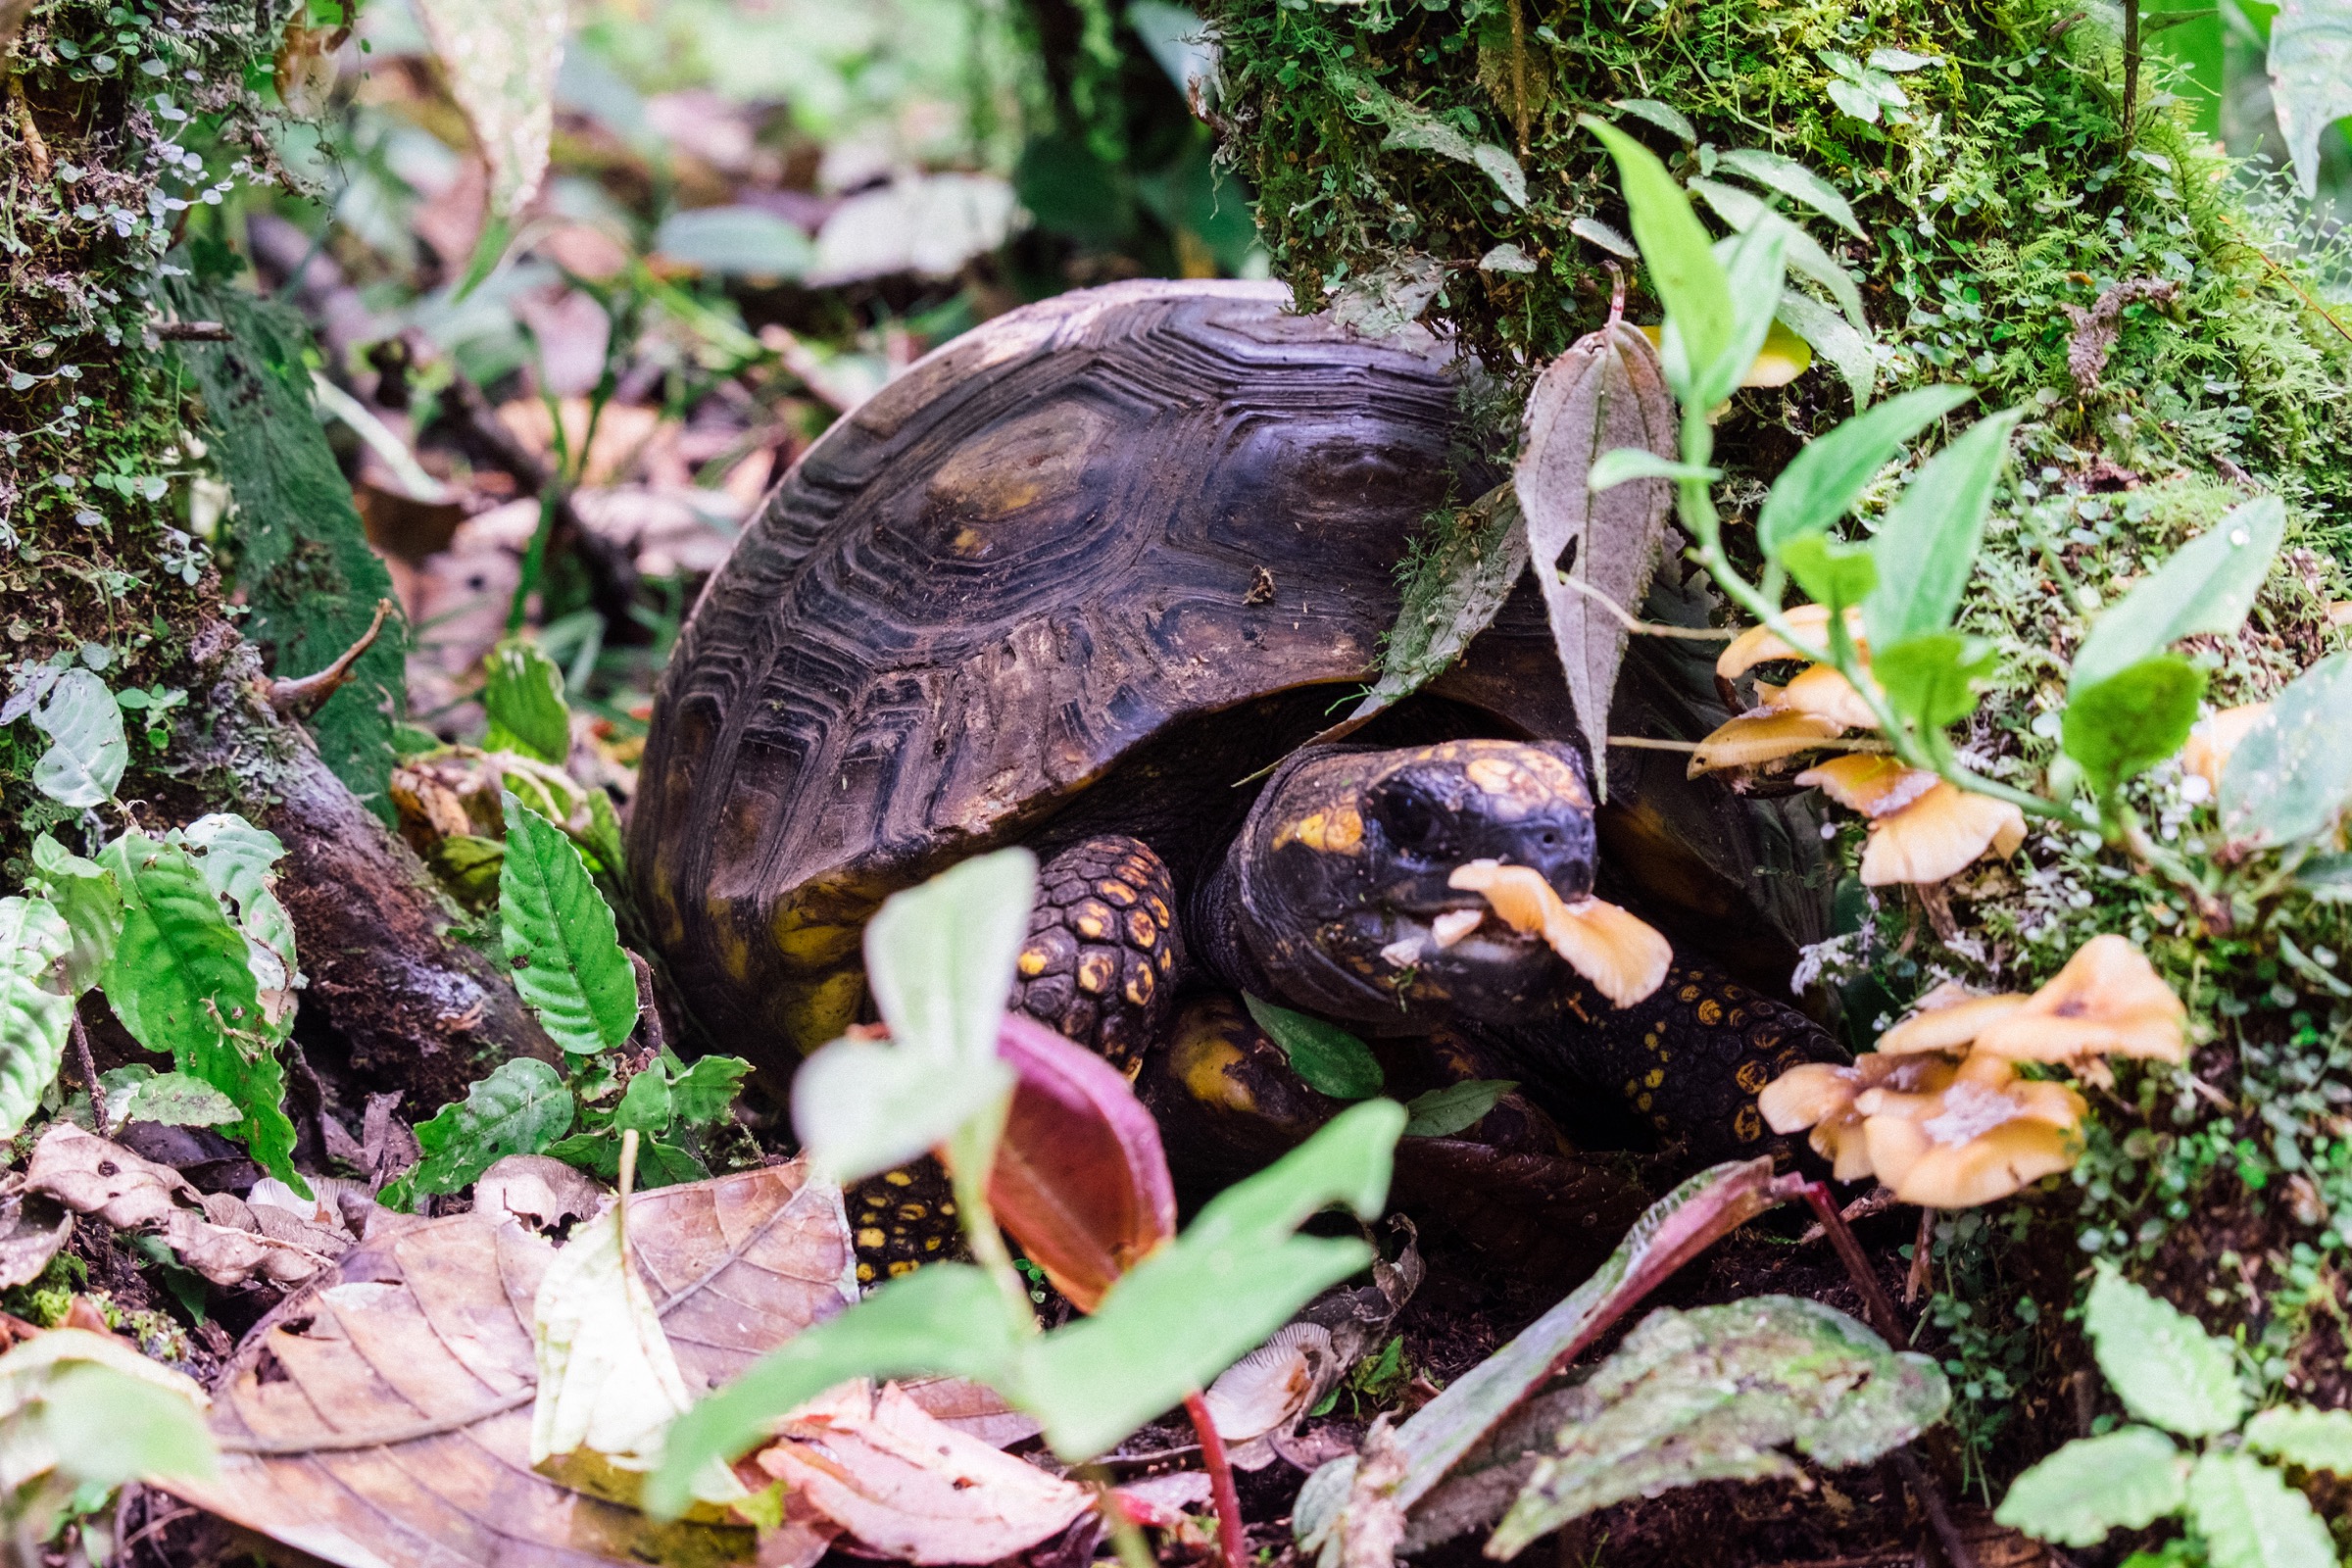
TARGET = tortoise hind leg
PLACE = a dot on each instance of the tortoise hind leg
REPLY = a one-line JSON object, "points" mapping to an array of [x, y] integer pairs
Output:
{"points": [[1100, 962]]}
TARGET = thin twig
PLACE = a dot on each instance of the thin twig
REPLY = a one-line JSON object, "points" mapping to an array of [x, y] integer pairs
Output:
{"points": [[1646, 628], [304, 693], [1923, 1249], [193, 333], [1233, 1536], [89, 1074]]}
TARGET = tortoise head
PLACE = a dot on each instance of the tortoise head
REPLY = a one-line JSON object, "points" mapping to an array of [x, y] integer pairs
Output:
{"points": [[1341, 881]]}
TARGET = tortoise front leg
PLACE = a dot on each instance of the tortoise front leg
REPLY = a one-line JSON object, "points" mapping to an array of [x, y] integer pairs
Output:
{"points": [[1101, 959]]}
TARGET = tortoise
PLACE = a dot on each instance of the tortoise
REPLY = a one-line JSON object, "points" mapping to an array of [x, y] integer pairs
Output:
{"points": [[1067, 582]]}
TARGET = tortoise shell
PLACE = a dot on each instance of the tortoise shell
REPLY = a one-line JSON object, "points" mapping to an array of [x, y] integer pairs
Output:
{"points": [[1054, 539]]}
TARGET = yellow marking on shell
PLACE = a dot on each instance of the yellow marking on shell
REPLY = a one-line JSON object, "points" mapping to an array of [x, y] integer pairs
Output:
{"points": [[913, 1212], [1091, 921], [931, 1244], [1333, 832], [871, 1237], [1748, 1124], [1710, 1012], [1140, 929], [1111, 889], [903, 1268], [1140, 987], [898, 1178], [968, 541], [1751, 1077], [1095, 972], [1032, 963], [810, 1016], [865, 1273], [1641, 1102], [810, 943], [1654, 1077]]}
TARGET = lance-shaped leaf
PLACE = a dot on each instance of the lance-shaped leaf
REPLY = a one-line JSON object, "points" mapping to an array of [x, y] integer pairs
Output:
{"points": [[2251, 1518], [2123, 1481], [84, 893], [181, 981], [86, 751], [1823, 481], [1927, 546], [1080, 1178], [524, 697], [520, 1107], [1607, 394], [2310, 78], [560, 938], [2166, 1369], [939, 960], [1674, 1230], [239, 863], [500, 58], [1327, 1059], [1457, 577], [34, 1012], [1793, 180], [1712, 1394], [1698, 295], [2290, 777], [2207, 586], [1742, 210]]}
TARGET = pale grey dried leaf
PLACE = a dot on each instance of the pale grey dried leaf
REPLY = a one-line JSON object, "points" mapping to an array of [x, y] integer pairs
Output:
{"points": [[91, 1176], [1606, 392], [32, 1227], [1715, 1393]]}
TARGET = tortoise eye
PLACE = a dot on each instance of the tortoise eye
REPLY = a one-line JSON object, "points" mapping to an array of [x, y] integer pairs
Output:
{"points": [[1412, 820]]}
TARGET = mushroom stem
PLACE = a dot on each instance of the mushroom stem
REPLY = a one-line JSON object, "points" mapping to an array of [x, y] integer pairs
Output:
{"points": [[1232, 1536]]}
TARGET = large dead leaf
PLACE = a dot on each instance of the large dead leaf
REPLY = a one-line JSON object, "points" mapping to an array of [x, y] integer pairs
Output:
{"points": [[383, 1417], [1606, 392], [905, 1483]]}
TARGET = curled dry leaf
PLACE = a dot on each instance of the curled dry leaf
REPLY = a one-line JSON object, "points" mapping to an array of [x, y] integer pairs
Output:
{"points": [[1264, 1394], [32, 1227], [91, 1176], [384, 1418], [538, 1192], [1623, 959], [1606, 392], [906, 1485]]}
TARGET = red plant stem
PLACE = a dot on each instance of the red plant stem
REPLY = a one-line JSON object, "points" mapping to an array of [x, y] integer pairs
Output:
{"points": [[1233, 1540]]}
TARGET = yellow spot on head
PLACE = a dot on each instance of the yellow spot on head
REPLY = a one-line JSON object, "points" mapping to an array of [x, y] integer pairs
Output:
{"points": [[1498, 777], [1333, 832]]}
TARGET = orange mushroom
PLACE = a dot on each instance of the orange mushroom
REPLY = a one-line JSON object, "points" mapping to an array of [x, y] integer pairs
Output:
{"points": [[1621, 955], [2108, 1001], [1822, 1096], [1754, 739], [1760, 645], [1939, 835], [1945, 1019], [1872, 783], [1983, 1136]]}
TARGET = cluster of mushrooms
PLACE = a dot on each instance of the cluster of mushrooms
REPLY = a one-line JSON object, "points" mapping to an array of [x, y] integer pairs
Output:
{"points": [[1938, 1112], [1922, 828]]}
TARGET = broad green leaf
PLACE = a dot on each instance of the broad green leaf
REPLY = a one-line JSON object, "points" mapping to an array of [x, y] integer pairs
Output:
{"points": [[2124, 1481], [2166, 1369], [2301, 1435], [1330, 1060], [1714, 1394], [1847, 347], [2310, 78], [645, 1104], [1442, 1113], [519, 1109], [35, 1015], [175, 1099], [2207, 586], [1700, 310], [1663, 116], [86, 751], [2120, 727], [939, 960], [1741, 210], [524, 694], [500, 60], [1625, 464], [560, 938], [1927, 546], [1757, 267], [1931, 680], [181, 981], [239, 862], [740, 241], [2326, 877], [705, 1093], [1822, 482], [84, 893], [2251, 1518], [2290, 777], [1793, 180], [1828, 570], [83, 1412]]}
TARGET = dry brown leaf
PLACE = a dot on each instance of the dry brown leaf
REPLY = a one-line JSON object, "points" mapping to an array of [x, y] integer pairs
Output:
{"points": [[1606, 392], [91, 1176], [538, 1191], [909, 1485], [32, 1227], [383, 1417]]}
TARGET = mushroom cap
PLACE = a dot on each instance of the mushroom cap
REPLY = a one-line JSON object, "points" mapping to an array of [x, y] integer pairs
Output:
{"points": [[2108, 1001], [1621, 955], [1823, 692], [1872, 783], [1947, 1025], [2213, 739], [1761, 737], [1822, 1096], [1761, 645], [1939, 835], [1983, 1136]]}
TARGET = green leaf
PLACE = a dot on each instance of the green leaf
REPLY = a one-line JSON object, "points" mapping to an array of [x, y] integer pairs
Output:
{"points": [[1793, 180], [939, 960], [2310, 78], [1824, 481], [1758, 266], [524, 694], [2301, 1435], [1330, 1060], [645, 1103], [2326, 877], [2125, 724], [1682, 262], [2251, 1518], [2207, 586], [1741, 210], [2290, 778], [704, 1095], [2125, 1479], [1663, 116], [35, 1015], [1847, 347], [107, 1427], [86, 751], [520, 1107], [1712, 1394], [177, 1100], [2166, 1369], [239, 863], [299, 558], [499, 58], [1828, 570], [1411, 126], [181, 981], [84, 893], [1931, 680], [1442, 1113], [1625, 464], [1927, 547], [560, 938]]}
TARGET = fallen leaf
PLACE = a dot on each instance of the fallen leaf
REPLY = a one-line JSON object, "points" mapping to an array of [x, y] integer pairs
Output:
{"points": [[383, 1417], [907, 1485], [538, 1192], [1265, 1394], [92, 1176], [32, 1227], [1607, 392]]}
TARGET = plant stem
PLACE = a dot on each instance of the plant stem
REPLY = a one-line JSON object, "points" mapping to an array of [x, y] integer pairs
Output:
{"points": [[89, 1075], [1232, 1536], [1126, 1539], [971, 1156]]}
